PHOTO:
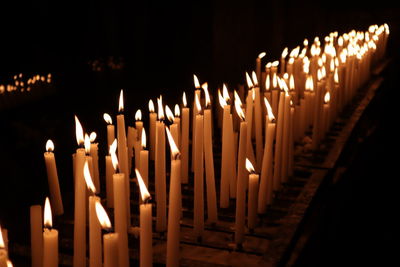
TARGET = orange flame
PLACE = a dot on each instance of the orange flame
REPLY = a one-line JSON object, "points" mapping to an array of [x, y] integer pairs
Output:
{"points": [[327, 97], [267, 83], [254, 78], [249, 82], [291, 82], [238, 107], [49, 146], [196, 82], [172, 144], [225, 93], [2, 245], [88, 178], [151, 106], [249, 166], [48, 220], [102, 216], [78, 131], [197, 100], [177, 111], [143, 189], [271, 116], [143, 138], [207, 95], [184, 99], [261, 55], [138, 115], [285, 52], [160, 108], [92, 137], [121, 101], [113, 149], [222, 101], [87, 144], [107, 118], [168, 112]]}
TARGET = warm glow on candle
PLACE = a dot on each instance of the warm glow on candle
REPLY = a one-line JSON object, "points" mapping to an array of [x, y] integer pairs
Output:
{"points": [[121, 101], [253, 94], [309, 83], [48, 220], [102, 216], [336, 76], [261, 55], [267, 83], [274, 81], [284, 52], [237, 98], [249, 82], [143, 189], [238, 107], [177, 111], [271, 116], [196, 82], [2, 245], [49, 146], [332, 65], [169, 114], [138, 115], [143, 138], [113, 149], [254, 78], [225, 93], [160, 108], [295, 52], [319, 74], [184, 100], [249, 166], [9, 264], [291, 82], [207, 95], [78, 131], [196, 99], [151, 106], [107, 118], [327, 97], [172, 144], [88, 178], [222, 101], [87, 144]]}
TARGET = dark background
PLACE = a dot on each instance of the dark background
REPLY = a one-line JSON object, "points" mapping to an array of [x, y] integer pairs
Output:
{"points": [[159, 45]]}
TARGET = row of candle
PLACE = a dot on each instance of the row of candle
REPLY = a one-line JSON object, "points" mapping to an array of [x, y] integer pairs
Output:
{"points": [[21, 85], [278, 112]]}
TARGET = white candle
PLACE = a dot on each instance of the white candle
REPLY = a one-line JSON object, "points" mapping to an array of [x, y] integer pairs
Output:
{"points": [[253, 195], [197, 93], [258, 65], [3, 251], [52, 178], [175, 204], [278, 144], [50, 239], [109, 182], [225, 156], [144, 159], [185, 142], [137, 141], [110, 129], [198, 174], [152, 118], [177, 121], [285, 139], [94, 149], [110, 240], [36, 236], [146, 234], [258, 125]]}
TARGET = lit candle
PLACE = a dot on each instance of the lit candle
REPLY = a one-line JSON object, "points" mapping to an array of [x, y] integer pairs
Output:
{"points": [[209, 161], [94, 226], [144, 159], [177, 121], [325, 114], [316, 134], [137, 141], [173, 127], [36, 236], [80, 202], [123, 155], [160, 175], [94, 149], [258, 122], [253, 195], [110, 129], [241, 177], [88, 158], [50, 238], [225, 156], [152, 118], [258, 65], [52, 177], [198, 174], [266, 179], [146, 234], [275, 89], [120, 210], [175, 205], [285, 137], [3, 251], [110, 240], [278, 143], [131, 142], [109, 180], [283, 60], [185, 141]]}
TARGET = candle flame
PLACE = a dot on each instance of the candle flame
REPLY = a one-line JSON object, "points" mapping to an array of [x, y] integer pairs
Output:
{"points": [[284, 52], [261, 55], [323, 72], [275, 63], [303, 52], [102, 216], [121, 101], [319, 74], [285, 76], [327, 97], [207, 95], [160, 108], [271, 116], [239, 109], [138, 115], [196, 82], [88, 177], [2, 245], [222, 101], [168, 112], [254, 78], [253, 94], [291, 60], [305, 42], [48, 220], [177, 110], [92, 137], [291, 82], [225, 93], [78, 131], [332, 65], [87, 144], [249, 166], [172, 144], [114, 159], [143, 189], [107, 118], [267, 83], [49, 146], [249, 82], [197, 100], [9, 264], [151, 106], [336, 76], [237, 97], [143, 138], [295, 52], [275, 81], [268, 65], [184, 99], [309, 83]]}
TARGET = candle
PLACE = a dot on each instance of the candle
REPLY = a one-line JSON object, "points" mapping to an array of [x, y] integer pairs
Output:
{"points": [[146, 235], [258, 123], [266, 179], [3, 251], [120, 210], [285, 137], [80, 202], [131, 146], [325, 114], [88, 158], [209, 161], [144, 159], [110, 129], [175, 205], [185, 141], [258, 65], [137, 141], [52, 178], [198, 173], [253, 195], [177, 121], [225, 156], [197, 93], [36, 236], [50, 238], [152, 119], [241, 176], [249, 117], [160, 175], [316, 134], [110, 240], [109, 180], [275, 94], [94, 226], [123, 155], [173, 127], [278, 143], [283, 60], [95, 158]]}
